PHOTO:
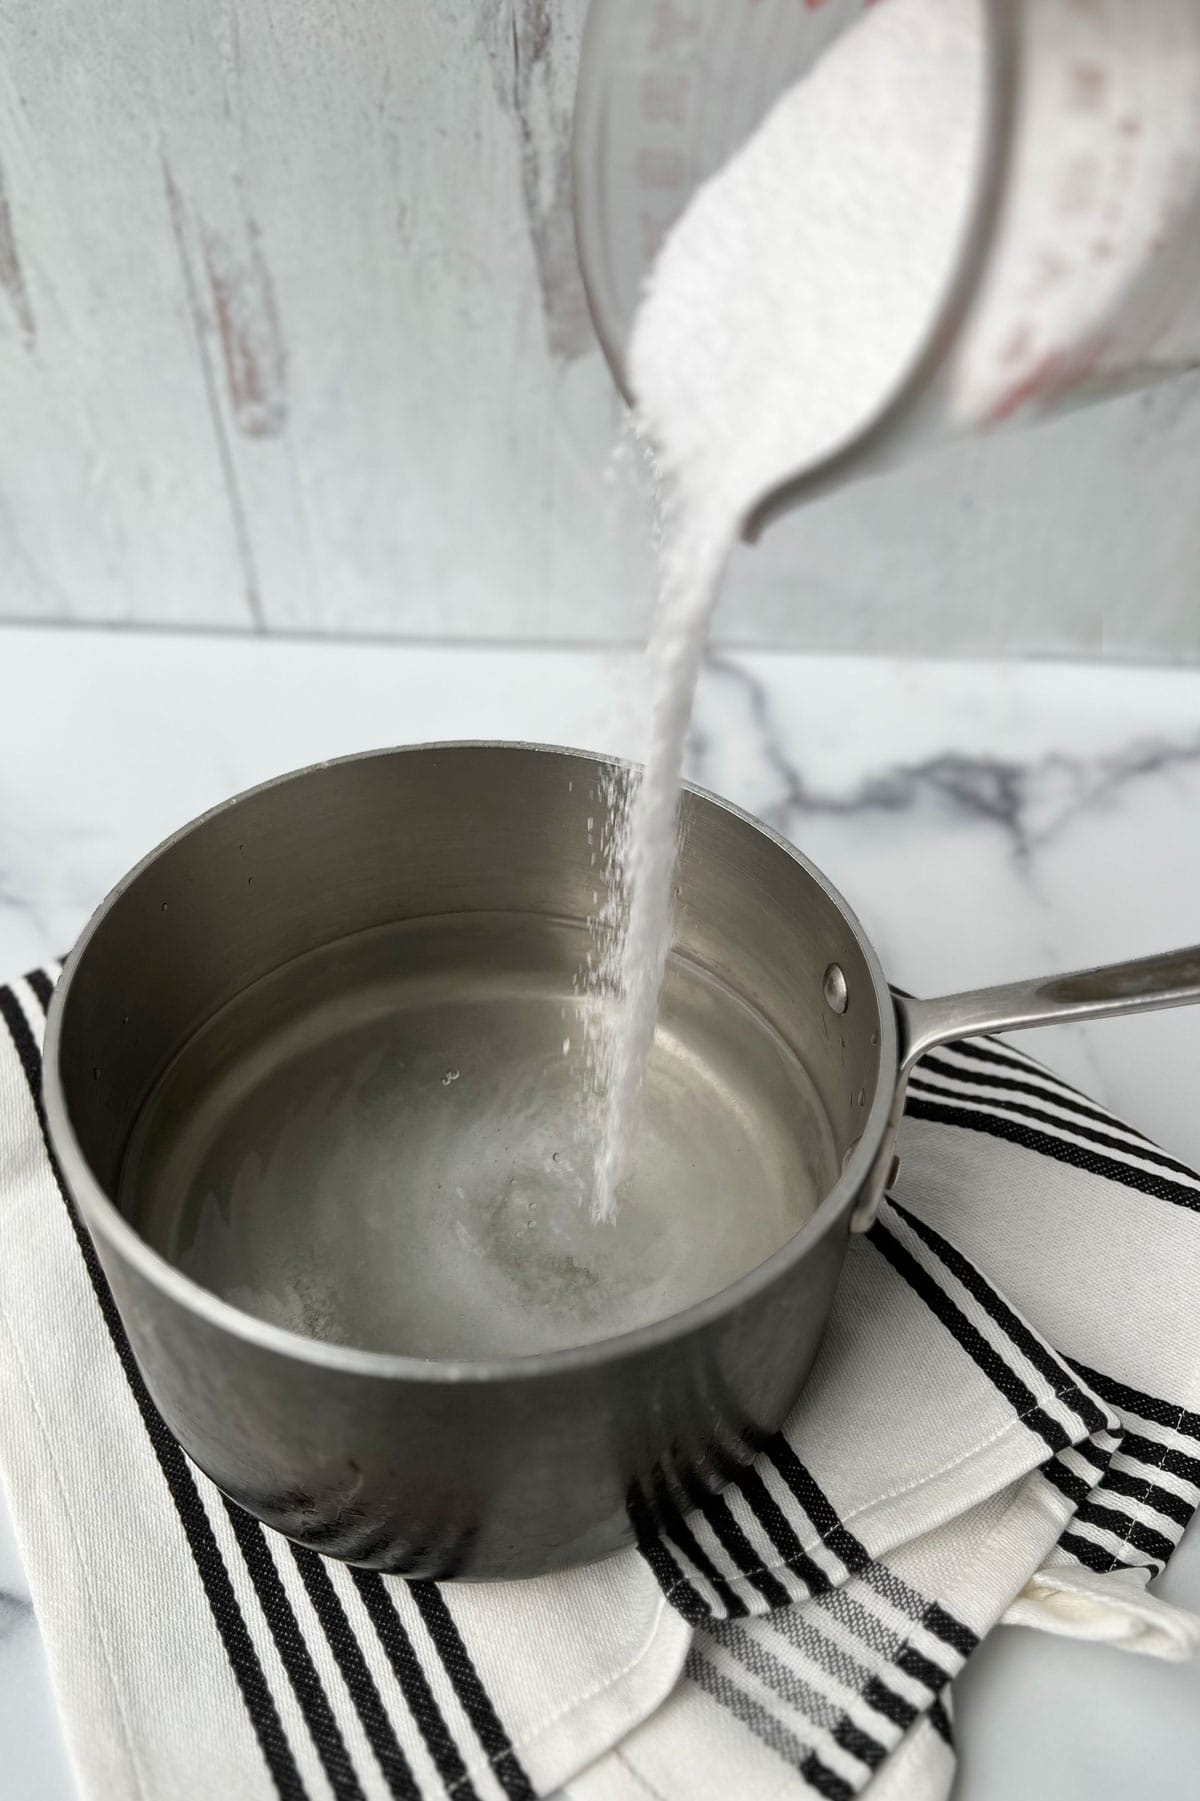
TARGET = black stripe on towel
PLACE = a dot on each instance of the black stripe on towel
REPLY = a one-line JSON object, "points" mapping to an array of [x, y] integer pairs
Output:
{"points": [[1069, 1103], [1133, 1400], [977, 1347], [936, 1619], [1011, 1324], [766, 1726], [1157, 1456], [858, 1743], [295, 1656], [1128, 1531], [817, 1506], [922, 1669], [206, 1553], [734, 1543], [1094, 1555], [680, 1533], [780, 1530], [1150, 1494], [42, 987], [887, 1702], [1097, 1455], [939, 1719], [752, 1714], [825, 1781], [878, 1641], [477, 1704], [406, 1667], [1061, 1149], [1022, 1110], [1059, 1091], [952, 1632], [930, 1615], [795, 1690], [1067, 1481], [681, 1593], [360, 1684]]}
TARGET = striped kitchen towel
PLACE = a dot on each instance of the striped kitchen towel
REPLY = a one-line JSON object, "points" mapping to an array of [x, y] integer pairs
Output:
{"points": [[1004, 1421]]}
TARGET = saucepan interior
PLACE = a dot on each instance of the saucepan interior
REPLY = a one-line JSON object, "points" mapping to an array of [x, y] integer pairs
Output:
{"points": [[316, 1075], [337, 1045]]}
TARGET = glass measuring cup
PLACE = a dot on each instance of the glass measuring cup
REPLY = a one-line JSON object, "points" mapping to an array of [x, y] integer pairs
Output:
{"points": [[1078, 268]]}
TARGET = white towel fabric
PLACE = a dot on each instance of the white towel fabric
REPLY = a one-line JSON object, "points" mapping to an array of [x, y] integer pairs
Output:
{"points": [[1003, 1417]]}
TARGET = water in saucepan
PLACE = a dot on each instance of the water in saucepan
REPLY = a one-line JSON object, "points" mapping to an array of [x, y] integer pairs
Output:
{"points": [[382, 1145]]}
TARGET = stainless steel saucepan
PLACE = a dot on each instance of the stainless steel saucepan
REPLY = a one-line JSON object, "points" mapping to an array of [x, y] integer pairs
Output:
{"points": [[314, 1077]]}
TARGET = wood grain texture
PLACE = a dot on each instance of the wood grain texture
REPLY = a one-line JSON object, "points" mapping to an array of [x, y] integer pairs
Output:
{"points": [[292, 337], [311, 349]]}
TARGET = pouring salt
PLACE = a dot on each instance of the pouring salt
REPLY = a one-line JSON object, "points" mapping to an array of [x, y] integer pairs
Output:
{"points": [[786, 308]]}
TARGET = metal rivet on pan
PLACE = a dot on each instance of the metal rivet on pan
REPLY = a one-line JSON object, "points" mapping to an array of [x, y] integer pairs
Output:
{"points": [[835, 989]]}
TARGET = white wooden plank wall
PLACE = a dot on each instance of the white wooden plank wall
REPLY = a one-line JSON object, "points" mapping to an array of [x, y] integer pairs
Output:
{"points": [[292, 338]]}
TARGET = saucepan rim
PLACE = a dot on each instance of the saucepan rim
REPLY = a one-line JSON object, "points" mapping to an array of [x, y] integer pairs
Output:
{"points": [[102, 1215]]}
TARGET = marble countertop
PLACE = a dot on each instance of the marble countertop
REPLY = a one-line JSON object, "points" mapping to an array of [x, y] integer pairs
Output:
{"points": [[985, 821]]}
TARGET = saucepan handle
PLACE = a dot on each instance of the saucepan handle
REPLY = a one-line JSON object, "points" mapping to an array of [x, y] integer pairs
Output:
{"points": [[1169, 979]]}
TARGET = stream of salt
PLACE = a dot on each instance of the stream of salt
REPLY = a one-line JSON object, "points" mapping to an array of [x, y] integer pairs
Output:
{"points": [[786, 307]]}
